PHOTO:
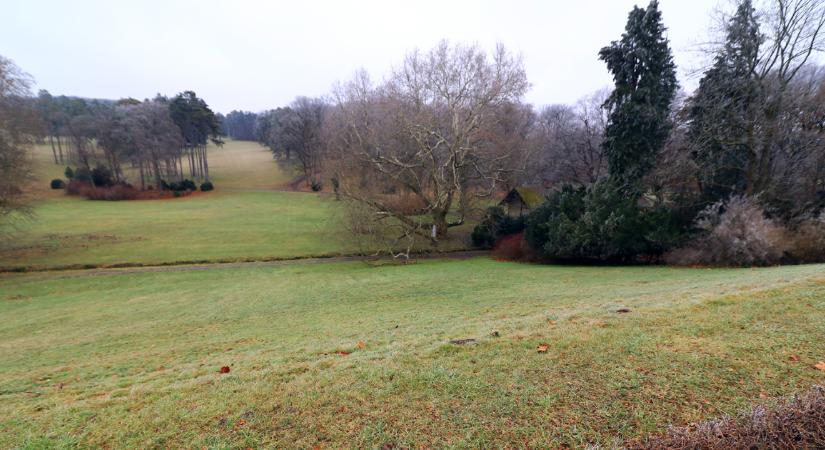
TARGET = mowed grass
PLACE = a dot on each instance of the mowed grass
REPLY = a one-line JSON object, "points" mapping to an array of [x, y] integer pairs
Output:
{"points": [[132, 360], [245, 218]]}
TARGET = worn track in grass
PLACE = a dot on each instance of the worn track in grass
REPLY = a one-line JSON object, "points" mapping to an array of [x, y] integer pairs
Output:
{"points": [[77, 273]]}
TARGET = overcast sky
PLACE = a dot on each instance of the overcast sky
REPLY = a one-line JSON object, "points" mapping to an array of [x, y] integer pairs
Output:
{"points": [[257, 55]]}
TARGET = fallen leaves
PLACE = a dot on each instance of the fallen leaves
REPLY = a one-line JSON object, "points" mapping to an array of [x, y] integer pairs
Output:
{"points": [[361, 345], [794, 358], [224, 369], [542, 348], [623, 310], [820, 365]]}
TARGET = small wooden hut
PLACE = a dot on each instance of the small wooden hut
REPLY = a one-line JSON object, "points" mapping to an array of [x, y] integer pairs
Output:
{"points": [[521, 200]]}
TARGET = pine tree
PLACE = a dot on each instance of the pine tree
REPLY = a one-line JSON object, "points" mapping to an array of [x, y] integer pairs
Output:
{"points": [[722, 112], [645, 77]]}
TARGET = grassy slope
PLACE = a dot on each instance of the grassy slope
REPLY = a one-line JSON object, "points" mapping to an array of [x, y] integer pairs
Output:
{"points": [[245, 218], [132, 360]]}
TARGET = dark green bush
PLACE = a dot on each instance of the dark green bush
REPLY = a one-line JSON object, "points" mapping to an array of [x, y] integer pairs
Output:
{"points": [[600, 223], [102, 177], [495, 225], [178, 186], [69, 173], [207, 186], [57, 183], [317, 186], [188, 185]]}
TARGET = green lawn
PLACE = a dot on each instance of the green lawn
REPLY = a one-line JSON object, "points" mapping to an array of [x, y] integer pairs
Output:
{"points": [[132, 360], [245, 218]]}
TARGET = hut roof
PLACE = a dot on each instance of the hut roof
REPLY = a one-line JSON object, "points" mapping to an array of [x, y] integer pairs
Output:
{"points": [[529, 196]]}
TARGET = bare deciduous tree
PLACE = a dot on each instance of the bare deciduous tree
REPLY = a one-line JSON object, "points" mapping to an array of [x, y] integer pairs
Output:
{"points": [[17, 125], [571, 142], [424, 132]]}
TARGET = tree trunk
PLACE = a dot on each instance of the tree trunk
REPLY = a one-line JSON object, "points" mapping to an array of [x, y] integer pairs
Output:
{"points": [[54, 150], [205, 164]]}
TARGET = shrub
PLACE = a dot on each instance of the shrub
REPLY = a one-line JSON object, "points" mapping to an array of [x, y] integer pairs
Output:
{"points": [[798, 422], [121, 191], [513, 248], [57, 183], [179, 186], [82, 174], [317, 186], [495, 225], [207, 186], [188, 185], [69, 173], [807, 244], [735, 233], [77, 186], [102, 177]]}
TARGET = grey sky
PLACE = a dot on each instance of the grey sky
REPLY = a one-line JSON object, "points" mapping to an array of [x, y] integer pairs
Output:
{"points": [[256, 55]]}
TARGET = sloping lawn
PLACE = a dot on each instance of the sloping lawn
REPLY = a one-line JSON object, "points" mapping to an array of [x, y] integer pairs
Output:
{"points": [[347, 355]]}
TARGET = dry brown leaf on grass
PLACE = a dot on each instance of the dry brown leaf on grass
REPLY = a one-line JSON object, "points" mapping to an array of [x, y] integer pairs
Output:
{"points": [[542, 348], [794, 358], [820, 365], [224, 369], [362, 345]]}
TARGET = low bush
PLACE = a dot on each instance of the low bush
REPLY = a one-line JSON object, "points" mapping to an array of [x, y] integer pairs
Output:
{"points": [[207, 186], [495, 225], [807, 242], [179, 186], [57, 183], [317, 186], [798, 422], [734, 233], [514, 248], [69, 173], [603, 223]]}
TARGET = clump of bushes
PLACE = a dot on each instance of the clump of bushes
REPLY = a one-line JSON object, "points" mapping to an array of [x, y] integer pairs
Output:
{"points": [[120, 191], [495, 225], [179, 186], [798, 422], [513, 248], [207, 186], [600, 223], [316, 186], [99, 176], [57, 183], [808, 243], [735, 232]]}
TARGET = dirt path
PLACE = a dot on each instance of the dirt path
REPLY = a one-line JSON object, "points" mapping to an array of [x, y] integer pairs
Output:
{"points": [[78, 273]]}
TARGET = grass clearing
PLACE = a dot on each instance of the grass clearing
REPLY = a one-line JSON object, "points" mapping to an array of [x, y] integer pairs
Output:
{"points": [[245, 218], [132, 360]]}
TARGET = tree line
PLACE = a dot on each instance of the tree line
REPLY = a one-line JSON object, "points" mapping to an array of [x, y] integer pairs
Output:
{"points": [[162, 138], [629, 172]]}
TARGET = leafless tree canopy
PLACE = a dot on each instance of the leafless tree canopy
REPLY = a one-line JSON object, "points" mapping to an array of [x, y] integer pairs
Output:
{"points": [[17, 127], [427, 132]]}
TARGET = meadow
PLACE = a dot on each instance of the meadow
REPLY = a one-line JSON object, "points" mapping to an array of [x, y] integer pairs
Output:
{"points": [[250, 216], [308, 354], [352, 355]]}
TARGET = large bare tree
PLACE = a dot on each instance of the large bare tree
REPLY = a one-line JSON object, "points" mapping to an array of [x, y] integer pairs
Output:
{"points": [[425, 133], [17, 125]]}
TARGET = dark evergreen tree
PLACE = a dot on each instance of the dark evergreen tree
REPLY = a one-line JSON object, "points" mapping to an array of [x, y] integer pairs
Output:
{"points": [[198, 125], [605, 222], [645, 79], [722, 112]]}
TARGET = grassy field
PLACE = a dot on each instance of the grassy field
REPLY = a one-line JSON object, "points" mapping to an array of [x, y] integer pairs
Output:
{"points": [[245, 218], [348, 355]]}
